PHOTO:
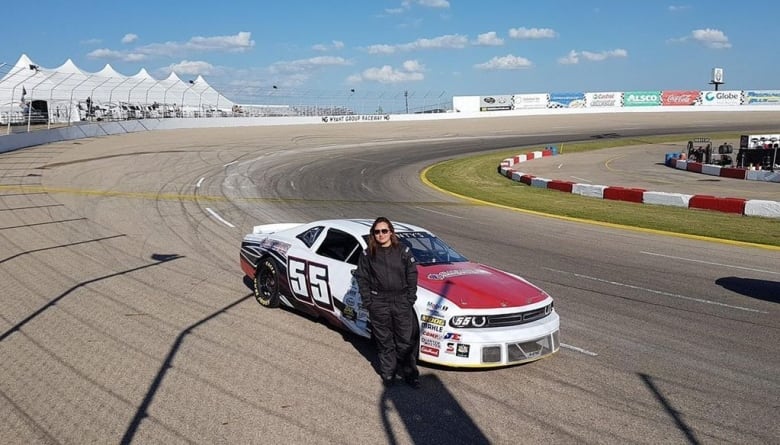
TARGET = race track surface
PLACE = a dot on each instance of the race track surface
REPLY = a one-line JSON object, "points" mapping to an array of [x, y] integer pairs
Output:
{"points": [[124, 317]]}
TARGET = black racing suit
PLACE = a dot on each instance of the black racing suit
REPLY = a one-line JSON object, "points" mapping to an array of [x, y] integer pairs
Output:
{"points": [[388, 286]]}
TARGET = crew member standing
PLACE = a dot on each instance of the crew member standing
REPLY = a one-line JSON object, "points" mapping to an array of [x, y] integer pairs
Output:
{"points": [[387, 280]]}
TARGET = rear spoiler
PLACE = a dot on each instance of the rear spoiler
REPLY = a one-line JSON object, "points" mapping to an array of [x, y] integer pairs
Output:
{"points": [[267, 229]]}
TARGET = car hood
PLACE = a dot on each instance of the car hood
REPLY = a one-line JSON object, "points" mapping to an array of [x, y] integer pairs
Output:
{"points": [[476, 286]]}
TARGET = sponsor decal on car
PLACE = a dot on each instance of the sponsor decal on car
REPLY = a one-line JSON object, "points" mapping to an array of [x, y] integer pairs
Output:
{"points": [[432, 334], [450, 348], [431, 327], [443, 275], [452, 336], [429, 342], [437, 307], [432, 320], [429, 351], [279, 247], [463, 350]]}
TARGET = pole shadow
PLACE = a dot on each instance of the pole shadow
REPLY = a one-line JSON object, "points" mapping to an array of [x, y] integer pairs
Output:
{"points": [[159, 259], [760, 289], [141, 412], [671, 410]]}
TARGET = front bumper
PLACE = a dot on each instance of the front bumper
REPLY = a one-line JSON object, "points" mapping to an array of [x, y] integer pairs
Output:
{"points": [[492, 347]]}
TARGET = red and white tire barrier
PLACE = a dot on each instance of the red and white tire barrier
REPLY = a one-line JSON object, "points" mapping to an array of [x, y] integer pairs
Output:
{"points": [[750, 207]]}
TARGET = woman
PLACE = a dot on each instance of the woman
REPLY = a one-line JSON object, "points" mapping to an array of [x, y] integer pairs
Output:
{"points": [[387, 280]]}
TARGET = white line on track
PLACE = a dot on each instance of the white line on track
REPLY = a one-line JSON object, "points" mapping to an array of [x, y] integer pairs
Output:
{"points": [[658, 292], [292, 184], [581, 179], [200, 181], [219, 218], [229, 164], [711, 263], [574, 348], [560, 165], [438, 213]]}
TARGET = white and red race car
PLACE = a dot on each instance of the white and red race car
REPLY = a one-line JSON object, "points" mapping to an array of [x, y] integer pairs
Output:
{"points": [[469, 314]]}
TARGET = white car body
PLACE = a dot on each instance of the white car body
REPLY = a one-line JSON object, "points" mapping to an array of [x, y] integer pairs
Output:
{"points": [[469, 314]]}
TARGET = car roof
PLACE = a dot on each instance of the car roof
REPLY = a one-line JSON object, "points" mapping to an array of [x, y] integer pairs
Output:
{"points": [[361, 227]]}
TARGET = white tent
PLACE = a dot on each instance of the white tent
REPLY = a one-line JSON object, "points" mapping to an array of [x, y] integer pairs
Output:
{"points": [[68, 94]]}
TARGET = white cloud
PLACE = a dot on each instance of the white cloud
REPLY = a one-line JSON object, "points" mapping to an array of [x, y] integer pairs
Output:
{"points": [[508, 62], [489, 39], [324, 47], [532, 33], [434, 3], [129, 38], [239, 42], [125, 56], [191, 67], [711, 38], [678, 8], [305, 65], [411, 70], [573, 57], [446, 41]]}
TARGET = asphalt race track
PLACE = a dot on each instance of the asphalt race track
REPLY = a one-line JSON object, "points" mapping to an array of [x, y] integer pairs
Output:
{"points": [[124, 317]]}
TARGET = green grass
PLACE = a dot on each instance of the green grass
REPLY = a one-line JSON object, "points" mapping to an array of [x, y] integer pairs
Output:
{"points": [[476, 177]]}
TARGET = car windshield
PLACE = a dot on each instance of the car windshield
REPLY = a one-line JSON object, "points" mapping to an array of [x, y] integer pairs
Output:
{"points": [[428, 249]]}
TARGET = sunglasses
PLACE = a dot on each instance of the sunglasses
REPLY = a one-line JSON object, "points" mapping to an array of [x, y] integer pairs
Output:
{"points": [[383, 231]]}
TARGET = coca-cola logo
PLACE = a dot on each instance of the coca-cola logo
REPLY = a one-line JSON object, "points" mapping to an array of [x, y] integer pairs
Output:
{"points": [[679, 98]]}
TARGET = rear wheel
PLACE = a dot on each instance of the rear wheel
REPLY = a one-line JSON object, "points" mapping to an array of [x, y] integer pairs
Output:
{"points": [[267, 283]]}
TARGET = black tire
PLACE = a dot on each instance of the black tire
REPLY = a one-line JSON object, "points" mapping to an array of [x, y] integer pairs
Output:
{"points": [[266, 283]]}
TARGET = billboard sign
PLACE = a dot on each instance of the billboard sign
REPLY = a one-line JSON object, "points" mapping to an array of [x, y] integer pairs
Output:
{"points": [[733, 97], [566, 100], [609, 99], [641, 98], [529, 101], [495, 103], [675, 98], [762, 97]]}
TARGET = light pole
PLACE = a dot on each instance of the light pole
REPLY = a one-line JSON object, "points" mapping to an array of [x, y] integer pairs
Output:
{"points": [[192, 84], [92, 95], [32, 94], [111, 93], [51, 96], [406, 100], [34, 69], [147, 91], [71, 95]]}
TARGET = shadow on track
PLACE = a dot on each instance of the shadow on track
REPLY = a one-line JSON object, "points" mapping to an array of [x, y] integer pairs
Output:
{"points": [[159, 259], [750, 287]]}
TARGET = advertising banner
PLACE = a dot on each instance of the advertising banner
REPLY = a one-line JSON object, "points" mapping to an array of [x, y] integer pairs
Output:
{"points": [[641, 98], [762, 97], [733, 97], [528, 101], [675, 98], [495, 103], [356, 118], [609, 99], [566, 100]]}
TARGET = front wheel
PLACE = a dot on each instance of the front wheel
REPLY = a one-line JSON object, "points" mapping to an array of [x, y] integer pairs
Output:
{"points": [[267, 283]]}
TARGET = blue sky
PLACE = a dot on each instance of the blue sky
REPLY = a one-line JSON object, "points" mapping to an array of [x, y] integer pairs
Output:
{"points": [[431, 47]]}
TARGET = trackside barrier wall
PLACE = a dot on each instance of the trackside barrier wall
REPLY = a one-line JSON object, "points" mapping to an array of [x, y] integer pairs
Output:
{"points": [[741, 206], [725, 172]]}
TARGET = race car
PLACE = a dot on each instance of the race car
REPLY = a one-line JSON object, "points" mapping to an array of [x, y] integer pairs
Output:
{"points": [[469, 314]]}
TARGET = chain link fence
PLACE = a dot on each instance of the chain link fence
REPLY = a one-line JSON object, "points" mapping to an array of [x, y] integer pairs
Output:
{"points": [[32, 97]]}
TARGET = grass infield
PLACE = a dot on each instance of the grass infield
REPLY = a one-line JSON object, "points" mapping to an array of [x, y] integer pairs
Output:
{"points": [[476, 177]]}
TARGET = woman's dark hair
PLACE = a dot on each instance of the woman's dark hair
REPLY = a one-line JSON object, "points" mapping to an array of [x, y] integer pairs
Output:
{"points": [[372, 244]]}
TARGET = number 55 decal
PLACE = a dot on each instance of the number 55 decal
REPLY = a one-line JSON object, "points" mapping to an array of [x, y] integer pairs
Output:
{"points": [[309, 282]]}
